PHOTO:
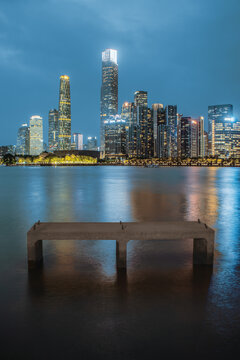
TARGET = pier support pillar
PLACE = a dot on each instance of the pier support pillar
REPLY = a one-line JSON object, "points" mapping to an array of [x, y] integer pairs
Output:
{"points": [[203, 251], [35, 253], [121, 254]]}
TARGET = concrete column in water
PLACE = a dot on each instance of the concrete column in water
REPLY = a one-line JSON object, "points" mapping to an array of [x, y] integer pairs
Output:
{"points": [[121, 254], [203, 250]]}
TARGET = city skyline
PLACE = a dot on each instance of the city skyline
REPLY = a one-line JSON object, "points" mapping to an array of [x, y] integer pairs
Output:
{"points": [[194, 71]]}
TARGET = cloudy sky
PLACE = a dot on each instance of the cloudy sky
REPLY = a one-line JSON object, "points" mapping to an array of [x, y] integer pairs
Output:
{"points": [[184, 52]]}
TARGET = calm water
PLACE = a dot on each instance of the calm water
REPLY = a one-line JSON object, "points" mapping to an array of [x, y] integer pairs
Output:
{"points": [[77, 306]]}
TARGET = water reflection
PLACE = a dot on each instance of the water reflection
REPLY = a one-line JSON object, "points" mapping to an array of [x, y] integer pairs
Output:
{"points": [[161, 297]]}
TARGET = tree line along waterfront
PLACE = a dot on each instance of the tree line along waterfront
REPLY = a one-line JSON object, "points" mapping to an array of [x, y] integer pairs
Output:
{"points": [[48, 159]]}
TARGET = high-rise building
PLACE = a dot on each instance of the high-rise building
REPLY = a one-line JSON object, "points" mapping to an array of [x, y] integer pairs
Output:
{"points": [[201, 142], [22, 147], [235, 153], [109, 89], [115, 135], [36, 135], [205, 143], [171, 120], [219, 129], [141, 108], [64, 114], [156, 110], [78, 140], [129, 116], [192, 138], [92, 143], [162, 134], [53, 130]]}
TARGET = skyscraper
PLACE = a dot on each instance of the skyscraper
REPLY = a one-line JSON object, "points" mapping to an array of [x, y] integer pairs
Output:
{"points": [[92, 143], [219, 129], [53, 130], [64, 114], [115, 136], [171, 119], [129, 116], [192, 137], [141, 106], [23, 140], [156, 108], [36, 135], [109, 89], [78, 140]]}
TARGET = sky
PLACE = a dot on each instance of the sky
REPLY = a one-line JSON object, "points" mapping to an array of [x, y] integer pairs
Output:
{"points": [[183, 52]]}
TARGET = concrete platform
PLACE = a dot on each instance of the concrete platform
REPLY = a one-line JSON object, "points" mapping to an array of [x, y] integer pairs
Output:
{"points": [[202, 235]]}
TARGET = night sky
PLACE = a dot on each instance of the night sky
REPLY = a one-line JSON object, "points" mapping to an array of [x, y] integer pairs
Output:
{"points": [[184, 52]]}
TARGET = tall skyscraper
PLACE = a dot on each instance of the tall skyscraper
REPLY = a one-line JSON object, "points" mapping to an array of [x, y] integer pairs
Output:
{"points": [[36, 135], [22, 147], [64, 114], [156, 108], [219, 129], [115, 136], [141, 106], [192, 137], [201, 141], [109, 89], [78, 140], [129, 116], [171, 119], [53, 130]]}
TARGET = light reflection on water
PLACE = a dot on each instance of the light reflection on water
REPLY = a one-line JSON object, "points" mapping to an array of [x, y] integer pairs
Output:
{"points": [[161, 291]]}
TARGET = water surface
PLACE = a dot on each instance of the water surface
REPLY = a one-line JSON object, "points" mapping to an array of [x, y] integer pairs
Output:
{"points": [[77, 306]]}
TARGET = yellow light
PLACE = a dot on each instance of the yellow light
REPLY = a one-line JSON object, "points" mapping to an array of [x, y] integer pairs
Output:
{"points": [[65, 77]]}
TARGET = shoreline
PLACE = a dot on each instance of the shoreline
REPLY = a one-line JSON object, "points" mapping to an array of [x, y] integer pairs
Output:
{"points": [[151, 166]]}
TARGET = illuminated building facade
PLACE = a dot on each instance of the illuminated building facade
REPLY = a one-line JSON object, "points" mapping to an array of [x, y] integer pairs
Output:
{"points": [[115, 136], [35, 135], [22, 147], [156, 111], [205, 143], [219, 129], [109, 89], [162, 134], [53, 130], [141, 108], [235, 151], [171, 120], [92, 143], [192, 137], [129, 116], [78, 140], [64, 114]]}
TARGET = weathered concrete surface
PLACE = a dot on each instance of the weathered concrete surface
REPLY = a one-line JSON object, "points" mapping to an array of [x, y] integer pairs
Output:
{"points": [[203, 249]]}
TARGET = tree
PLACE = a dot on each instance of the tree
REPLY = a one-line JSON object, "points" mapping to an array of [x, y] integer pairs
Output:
{"points": [[9, 159]]}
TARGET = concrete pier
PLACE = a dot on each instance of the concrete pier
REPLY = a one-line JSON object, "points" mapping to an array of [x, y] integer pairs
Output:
{"points": [[202, 235]]}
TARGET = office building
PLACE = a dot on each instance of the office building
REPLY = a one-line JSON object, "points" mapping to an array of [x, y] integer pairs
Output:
{"points": [[171, 121], [156, 110], [141, 108], [192, 137], [129, 116], [78, 141], [219, 129], [115, 136], [53, 130], [109, 89], [92, 143], [22, 147], [235, 151], [205, 143], [35, 135], [64, 114]]}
